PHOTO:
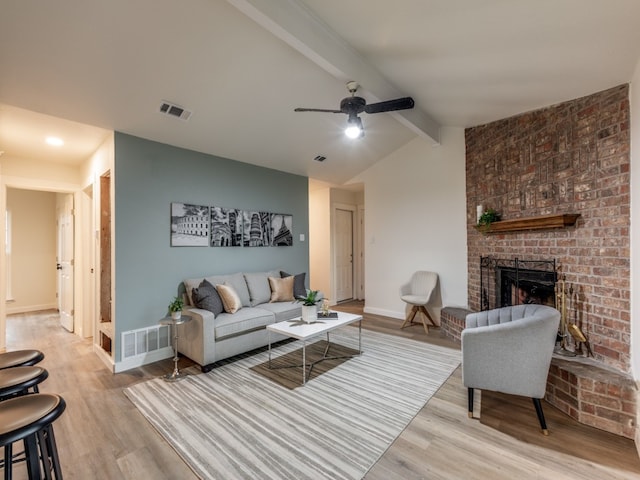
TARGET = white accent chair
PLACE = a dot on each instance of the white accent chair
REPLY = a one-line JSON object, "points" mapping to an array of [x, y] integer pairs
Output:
{"points": [[420, 292], [509, 350]]}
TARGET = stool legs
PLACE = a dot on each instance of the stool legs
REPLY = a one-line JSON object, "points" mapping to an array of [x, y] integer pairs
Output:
{"points": [[31, 451]]}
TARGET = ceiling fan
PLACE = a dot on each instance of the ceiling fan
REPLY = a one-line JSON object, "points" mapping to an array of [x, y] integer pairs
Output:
{"points": [[353, 105]]}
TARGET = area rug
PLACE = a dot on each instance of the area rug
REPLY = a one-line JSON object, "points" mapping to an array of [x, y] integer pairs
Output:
{"points": [[235, 423]]}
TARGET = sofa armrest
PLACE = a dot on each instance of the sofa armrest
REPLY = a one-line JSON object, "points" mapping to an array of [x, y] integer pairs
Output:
{"points": [[198, 336]]}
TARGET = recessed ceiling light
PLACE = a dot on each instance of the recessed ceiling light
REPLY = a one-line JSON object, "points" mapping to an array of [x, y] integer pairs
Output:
{"points": [[55, 141]]}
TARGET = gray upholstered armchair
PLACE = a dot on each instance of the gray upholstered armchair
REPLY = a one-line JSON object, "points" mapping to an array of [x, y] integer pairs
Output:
{"points": [[509, 350]]}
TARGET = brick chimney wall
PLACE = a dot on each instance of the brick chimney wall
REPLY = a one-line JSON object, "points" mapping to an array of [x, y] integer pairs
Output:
{"points": [[568, 158]]}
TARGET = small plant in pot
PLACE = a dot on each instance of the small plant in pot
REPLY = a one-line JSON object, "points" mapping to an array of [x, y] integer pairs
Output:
{"points": [[175, 308], [487, 218], [309, 305]]}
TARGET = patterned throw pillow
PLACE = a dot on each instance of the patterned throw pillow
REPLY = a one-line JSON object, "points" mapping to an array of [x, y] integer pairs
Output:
{"points": [[230, 298], [281, 289], [206, 296], [299, 290]]}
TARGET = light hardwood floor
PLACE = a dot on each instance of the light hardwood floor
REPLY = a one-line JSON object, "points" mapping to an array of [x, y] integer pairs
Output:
{"points": [[102, 436]]}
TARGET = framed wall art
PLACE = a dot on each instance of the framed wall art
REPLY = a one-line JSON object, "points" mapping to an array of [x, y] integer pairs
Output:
{"points": [[226, 227], [281, 230], [189, 225], [256, 228]]}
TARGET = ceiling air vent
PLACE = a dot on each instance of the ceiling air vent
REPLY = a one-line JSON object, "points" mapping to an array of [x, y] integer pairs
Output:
{"points": [[174, 110]]}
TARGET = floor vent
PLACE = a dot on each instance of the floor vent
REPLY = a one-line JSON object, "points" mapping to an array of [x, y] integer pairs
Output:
{"points": [[144, 340], [174, 110]]}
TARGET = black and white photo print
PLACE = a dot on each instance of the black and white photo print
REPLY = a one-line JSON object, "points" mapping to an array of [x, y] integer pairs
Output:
{"points": [[226, 227], [281, 230], [256, 229], [189, 225]]}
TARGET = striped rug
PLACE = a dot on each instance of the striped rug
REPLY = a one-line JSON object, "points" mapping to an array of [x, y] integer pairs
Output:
{"points": [[235, 423]]}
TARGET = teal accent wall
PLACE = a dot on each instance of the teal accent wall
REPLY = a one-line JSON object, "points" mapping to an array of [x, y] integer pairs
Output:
{"points": [[148, 177]]}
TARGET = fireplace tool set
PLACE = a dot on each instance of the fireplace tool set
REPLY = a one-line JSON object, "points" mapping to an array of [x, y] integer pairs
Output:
{"points": [[567, 302]]}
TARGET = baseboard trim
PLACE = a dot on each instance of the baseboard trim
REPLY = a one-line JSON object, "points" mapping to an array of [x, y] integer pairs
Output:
{"points": [[141, 360], [31, 308], [384, 313]]}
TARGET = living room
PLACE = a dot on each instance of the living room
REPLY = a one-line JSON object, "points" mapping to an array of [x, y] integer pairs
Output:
{"points": [[417, 208]]}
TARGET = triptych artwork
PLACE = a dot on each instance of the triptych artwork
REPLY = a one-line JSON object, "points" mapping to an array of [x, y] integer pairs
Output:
{"points": [[202, 226]]}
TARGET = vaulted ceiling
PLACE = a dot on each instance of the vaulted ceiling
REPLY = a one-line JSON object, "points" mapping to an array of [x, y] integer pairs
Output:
{"points": [[242, 66]]}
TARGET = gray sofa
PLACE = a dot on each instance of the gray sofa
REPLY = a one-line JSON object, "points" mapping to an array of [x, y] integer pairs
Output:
{"points": [[211, 337]]}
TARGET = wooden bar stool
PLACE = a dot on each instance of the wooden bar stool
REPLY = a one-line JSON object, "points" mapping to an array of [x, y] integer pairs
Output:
{"points": [[30, 418], [21, 380], [20, 358]]}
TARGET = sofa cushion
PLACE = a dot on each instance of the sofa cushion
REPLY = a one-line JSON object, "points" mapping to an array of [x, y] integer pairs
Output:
{"points": [[230, 298], [206, 296], [243, 321], [189, 285], [283, 310], [237, 281], [281, 289], [258, 285], [299, 289]]}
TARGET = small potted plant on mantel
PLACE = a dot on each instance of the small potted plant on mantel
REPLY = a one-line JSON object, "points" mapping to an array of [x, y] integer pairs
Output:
{"points": [[486, 219], [175, 308], [309, 306]]}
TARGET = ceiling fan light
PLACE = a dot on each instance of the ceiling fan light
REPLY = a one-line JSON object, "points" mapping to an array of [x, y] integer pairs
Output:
{"points": [[354, 128]]}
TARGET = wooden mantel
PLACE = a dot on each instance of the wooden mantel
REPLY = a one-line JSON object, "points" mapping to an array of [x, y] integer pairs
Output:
{"points": [[531, 223]]}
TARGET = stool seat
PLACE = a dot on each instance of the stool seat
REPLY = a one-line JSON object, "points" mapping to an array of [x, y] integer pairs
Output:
{"points": [[21, 379], [20, 358], [22, 416], [30, 418]]}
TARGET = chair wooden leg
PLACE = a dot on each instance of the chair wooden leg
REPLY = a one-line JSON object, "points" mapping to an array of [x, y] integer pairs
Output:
{"points": [[543, 423], [426, 316], [470, 401], [410, 317]]}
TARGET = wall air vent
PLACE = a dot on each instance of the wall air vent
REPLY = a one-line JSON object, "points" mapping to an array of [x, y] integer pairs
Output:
{"points": [[174, 110]]}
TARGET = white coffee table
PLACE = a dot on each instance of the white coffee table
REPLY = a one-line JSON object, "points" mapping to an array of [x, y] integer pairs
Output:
{"points": [[300, 330]]}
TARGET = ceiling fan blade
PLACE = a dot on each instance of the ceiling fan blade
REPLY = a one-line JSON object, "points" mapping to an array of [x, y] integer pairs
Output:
{"points": [[404, 103], [316, 110]]}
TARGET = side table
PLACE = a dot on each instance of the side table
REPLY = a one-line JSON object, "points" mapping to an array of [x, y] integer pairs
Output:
{"points": [[176, 374]]}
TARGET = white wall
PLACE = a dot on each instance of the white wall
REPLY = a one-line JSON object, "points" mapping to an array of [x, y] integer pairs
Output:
{"points": [[415, 219], [635, 220], [320, 239], [33, 250]]}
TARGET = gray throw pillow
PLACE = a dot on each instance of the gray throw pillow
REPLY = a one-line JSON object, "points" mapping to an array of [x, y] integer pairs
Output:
{"points": [[206, 297], [299, 290]]}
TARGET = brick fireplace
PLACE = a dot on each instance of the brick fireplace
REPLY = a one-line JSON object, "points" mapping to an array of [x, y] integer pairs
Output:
{"points": [[570, 158]]}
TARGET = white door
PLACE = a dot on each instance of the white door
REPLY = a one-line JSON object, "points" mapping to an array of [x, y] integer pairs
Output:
{"points": [[344, 255], [65, 260]]}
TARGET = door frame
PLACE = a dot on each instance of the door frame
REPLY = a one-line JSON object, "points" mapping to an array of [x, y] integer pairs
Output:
{"points": [[38, 185], [354, 227]]}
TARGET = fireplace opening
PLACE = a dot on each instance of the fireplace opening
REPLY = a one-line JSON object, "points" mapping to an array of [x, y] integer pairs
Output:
{"points": [[506, 282]]}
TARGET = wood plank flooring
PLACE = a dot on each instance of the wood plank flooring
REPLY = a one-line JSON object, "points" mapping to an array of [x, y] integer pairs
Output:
{"points": [[102, 436]]}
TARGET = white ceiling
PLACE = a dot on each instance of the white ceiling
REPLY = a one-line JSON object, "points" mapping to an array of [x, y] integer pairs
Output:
{"points": [[242, 66]]}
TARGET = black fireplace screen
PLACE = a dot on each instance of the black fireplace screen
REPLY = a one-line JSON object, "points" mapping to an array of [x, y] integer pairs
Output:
{"points": [[505, 282]]}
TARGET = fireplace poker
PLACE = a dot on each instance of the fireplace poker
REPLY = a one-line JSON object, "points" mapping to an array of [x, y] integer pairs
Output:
{"points": [[563, 321]]}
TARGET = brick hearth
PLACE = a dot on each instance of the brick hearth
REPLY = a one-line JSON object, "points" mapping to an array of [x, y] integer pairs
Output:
{"points": [[571, 158]]}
